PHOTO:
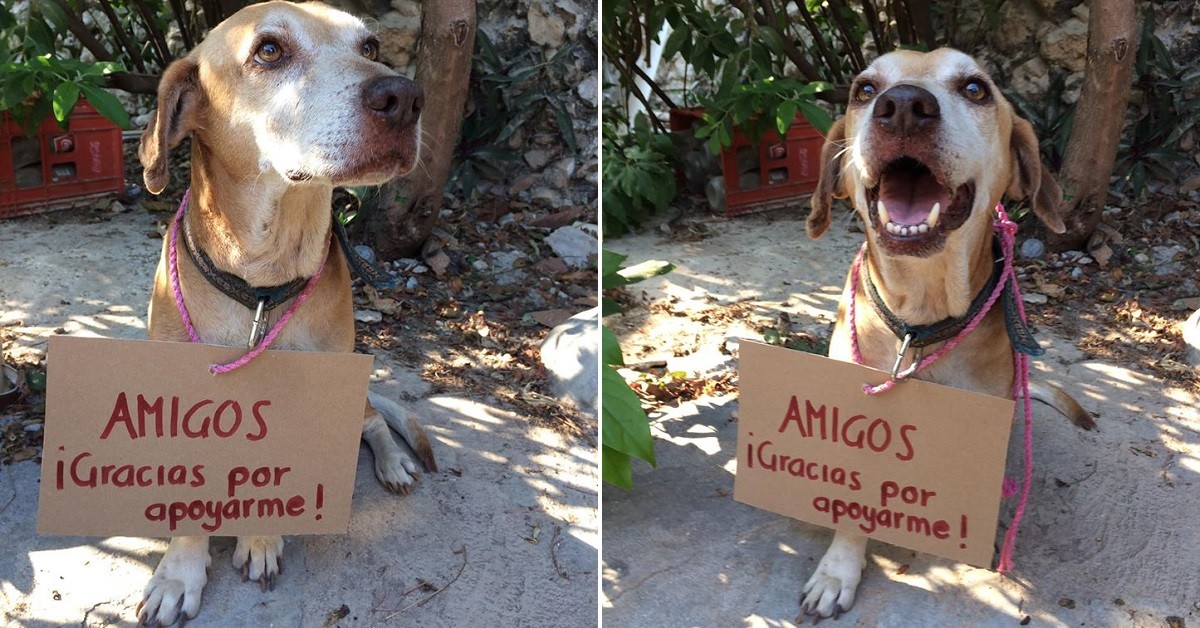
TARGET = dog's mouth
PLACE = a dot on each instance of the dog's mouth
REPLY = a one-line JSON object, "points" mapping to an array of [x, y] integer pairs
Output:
{"points": [[912, 209]]}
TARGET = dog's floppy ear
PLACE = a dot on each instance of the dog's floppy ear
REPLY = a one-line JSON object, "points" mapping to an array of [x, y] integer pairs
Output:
{"points": [[829, 186], [1031, 180], [178, 98]]}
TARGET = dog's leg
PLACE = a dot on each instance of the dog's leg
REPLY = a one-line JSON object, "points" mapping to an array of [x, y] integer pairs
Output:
{"points": [[177, 582], [394, 468], [259, 558], [1058, 399], [408, 428], [830, 590]]}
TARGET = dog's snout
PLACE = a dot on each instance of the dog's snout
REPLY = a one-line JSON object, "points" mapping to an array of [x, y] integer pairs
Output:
{"points": [[904, 109], [395, 98]]}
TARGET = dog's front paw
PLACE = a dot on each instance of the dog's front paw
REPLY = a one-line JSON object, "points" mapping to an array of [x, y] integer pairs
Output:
{"points": [[830, 591], [396, 470], [177, 583], [259, 558]]}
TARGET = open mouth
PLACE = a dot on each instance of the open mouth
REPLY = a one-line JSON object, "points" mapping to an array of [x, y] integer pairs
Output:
{"points": [[912, 209]]}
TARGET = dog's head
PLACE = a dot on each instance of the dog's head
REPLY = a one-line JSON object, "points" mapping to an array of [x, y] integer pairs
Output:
{"points": [[288, 90], [927, 148]]}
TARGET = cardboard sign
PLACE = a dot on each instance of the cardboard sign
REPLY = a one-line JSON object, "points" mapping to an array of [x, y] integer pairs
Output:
{"points": [[141, 439], [919, 466]]}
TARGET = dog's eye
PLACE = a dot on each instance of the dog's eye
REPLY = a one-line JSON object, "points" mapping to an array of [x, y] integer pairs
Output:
{"points": [[370, 50], [864, 93], [975, 90], [268, 52]]}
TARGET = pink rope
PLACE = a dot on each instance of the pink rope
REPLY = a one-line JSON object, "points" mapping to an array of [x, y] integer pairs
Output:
{"points": [[173, 261], [1007, 229], [173, 265]]}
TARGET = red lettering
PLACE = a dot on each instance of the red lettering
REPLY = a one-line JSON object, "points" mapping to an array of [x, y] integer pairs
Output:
{"points": [[237, 419], [203, 431], [144, 408], [855, 441], [237, 477], [120, 414], [793, 414], [258, 418], [295, 506], [198, 475], [91, 481], [887, 433], [908, 447], [811, 413]]}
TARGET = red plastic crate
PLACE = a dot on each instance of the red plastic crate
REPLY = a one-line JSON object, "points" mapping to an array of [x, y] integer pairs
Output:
{"points": [[56, 168], [788, 167]]}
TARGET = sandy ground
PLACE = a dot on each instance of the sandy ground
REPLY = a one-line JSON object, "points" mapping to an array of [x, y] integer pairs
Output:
{"points": [[1110, 537], [520, 499]]}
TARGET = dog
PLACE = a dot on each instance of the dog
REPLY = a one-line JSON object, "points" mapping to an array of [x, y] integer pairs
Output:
{"points": [[282, 102], [926, 150]]}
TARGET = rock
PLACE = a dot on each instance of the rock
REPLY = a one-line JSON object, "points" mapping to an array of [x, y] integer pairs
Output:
{"points": [[588, 91], [1191, 339], [1032, 248], [1072, 87], [420, 269], [367, 316], [397, 37], [1076, 272], [1034, 298], [1164, 259], [573, 245], [1066, 45], [547, 195], [1019, 20], [545, 29], [1188, 304], [537, 158], [1031, 79], [365, 252], [1084, 261], [479, 265], [118, 207], [505, 260], [411, 284], [407, 8], [1141, 258], [569, 356]]}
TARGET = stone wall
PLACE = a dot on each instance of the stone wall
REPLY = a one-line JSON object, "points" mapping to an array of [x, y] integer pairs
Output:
{"points": [[547, 173]]}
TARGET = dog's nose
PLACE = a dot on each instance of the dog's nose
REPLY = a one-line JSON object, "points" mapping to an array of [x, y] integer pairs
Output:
{"points": [[906, 108], [396, 98]]}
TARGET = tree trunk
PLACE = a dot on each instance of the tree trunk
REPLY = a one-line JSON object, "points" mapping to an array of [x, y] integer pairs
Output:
{"points": [[410, 206], [1099, 117]]}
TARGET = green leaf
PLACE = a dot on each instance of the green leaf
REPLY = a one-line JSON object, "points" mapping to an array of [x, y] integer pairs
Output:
{"points": [[784, 115], [610, 349], [63, 100], [616, 467], [675, 42], [646, 270], [625, 427], [610, 262], [106, 104], [816, 116], [609, 306]]}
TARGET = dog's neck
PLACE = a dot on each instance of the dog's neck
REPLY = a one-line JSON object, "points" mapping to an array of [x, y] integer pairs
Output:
{"points": [[925, 290], [262, 229]]}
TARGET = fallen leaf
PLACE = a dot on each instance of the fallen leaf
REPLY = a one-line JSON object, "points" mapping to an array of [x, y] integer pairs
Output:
{"points": [[551, 318]]}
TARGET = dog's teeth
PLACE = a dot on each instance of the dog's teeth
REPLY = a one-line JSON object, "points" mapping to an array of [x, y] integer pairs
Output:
{"points": [[884, 218], [933, 215], [893, 228], [923, 228]]}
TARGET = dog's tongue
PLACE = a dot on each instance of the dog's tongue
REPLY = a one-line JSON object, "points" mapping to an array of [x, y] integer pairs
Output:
{"points": [[909, 195]]}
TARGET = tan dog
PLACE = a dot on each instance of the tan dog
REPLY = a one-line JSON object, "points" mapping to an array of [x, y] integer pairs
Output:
{"points": [[283, 102], [926, 150]]}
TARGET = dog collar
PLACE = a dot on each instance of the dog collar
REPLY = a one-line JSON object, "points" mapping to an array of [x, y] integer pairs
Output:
{"points": [[917, 336], [265, 298]]}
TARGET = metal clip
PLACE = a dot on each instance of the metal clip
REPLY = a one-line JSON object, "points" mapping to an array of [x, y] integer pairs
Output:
{"points": [[258, 328], [900, 354]]}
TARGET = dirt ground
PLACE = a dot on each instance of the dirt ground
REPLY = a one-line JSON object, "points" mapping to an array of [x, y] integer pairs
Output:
{"points": [[1109, 537], [518, 486]]}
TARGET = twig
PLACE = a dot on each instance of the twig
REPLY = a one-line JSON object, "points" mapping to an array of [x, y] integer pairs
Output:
{"points": [[554, 554], [462, 550]]}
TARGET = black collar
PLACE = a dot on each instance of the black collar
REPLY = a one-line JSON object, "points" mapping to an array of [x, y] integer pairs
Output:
{"points": [[945, 329], [235, 287], [1019, 333]]}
